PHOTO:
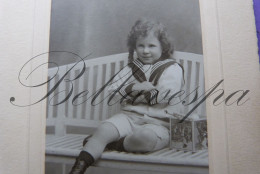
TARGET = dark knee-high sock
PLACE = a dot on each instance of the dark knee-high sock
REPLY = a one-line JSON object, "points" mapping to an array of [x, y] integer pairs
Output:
{"points": [[117, 145], [83, 161], [87, 157]]}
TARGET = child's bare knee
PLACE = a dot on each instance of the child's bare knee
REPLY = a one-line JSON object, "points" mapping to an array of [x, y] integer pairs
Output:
{"points": [[142, 140]]}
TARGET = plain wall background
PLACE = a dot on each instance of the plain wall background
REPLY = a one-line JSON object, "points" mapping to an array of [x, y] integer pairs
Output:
{"points": [[101, 27]]}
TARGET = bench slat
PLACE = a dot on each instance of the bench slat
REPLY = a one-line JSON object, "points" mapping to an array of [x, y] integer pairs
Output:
{"points": [[82, 123], [193, 83], [85, 113], [98, 79], [202, 109], [107, 71], [79, 87]]}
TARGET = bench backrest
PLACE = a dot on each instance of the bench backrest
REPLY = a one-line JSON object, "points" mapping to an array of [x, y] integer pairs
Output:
{"points": [[77, 110]]}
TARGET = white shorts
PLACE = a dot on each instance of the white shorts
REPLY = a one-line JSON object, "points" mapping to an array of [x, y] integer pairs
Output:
{"points": [[128, 122]]}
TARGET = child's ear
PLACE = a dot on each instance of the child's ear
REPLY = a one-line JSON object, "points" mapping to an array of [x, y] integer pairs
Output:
{"points": [[135, 55]]}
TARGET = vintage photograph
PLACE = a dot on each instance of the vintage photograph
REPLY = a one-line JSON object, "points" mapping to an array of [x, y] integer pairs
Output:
{"points": [[120, 86], [125, 83]]}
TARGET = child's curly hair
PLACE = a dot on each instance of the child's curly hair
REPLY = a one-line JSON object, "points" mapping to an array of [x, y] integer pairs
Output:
{"points": [[142, 28]]}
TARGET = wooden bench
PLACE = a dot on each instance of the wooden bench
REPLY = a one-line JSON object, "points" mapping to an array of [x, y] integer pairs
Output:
{"points": [[70, 124]]}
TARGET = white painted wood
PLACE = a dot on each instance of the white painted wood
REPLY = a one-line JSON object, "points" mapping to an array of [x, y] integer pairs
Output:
{"points": [[90, 89], [60, 128], [49, 107], [113, 108], [82, 122], [165, 160], [97, 107], [71, 84], [116, 108], [85, 113], [193, 85], [106, 94], [186, 87], [201, 90], [80, 107]]}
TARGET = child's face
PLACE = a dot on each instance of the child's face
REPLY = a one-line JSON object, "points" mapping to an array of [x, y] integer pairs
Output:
{"points": [[148, 49]]}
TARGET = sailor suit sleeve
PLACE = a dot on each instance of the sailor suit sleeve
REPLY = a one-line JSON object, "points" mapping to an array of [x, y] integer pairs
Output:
{"points": [[169, 84]]}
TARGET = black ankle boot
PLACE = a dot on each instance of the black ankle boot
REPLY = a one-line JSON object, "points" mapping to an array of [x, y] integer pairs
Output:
{"points": [[83, 161]]}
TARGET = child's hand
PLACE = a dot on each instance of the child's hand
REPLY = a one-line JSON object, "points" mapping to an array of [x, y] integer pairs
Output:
{"points": [[140, 99], [144, 86]]}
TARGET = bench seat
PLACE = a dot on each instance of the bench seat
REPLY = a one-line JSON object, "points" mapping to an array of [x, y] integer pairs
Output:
{"points": [[65, 149]]}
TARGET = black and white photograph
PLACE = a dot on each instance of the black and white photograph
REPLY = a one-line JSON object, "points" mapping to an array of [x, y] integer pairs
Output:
{"points": [[124, 81], [129, 86]]}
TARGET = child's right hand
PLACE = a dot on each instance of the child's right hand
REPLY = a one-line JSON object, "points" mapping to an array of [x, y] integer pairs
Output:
{"points": [[144, 86]]}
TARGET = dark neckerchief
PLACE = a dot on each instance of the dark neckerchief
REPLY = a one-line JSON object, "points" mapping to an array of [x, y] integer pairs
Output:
{"points": [[157, 69]]}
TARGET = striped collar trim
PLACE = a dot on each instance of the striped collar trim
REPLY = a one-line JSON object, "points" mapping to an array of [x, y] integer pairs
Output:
{"points": [[160, 63]]}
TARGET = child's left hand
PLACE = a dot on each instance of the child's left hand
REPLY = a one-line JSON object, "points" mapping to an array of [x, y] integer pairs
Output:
{"points": [[140, 99], [144, 86]]}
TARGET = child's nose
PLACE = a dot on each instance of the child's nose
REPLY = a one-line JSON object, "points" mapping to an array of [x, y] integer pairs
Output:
{"points": [[146, 50]]}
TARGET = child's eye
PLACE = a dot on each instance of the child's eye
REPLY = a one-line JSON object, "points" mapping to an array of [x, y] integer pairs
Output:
{"points": [[152, 45], [140, 46]]}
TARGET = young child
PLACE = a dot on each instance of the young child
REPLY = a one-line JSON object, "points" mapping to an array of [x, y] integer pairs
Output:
{"points": [[146, 85]]}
